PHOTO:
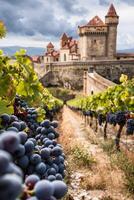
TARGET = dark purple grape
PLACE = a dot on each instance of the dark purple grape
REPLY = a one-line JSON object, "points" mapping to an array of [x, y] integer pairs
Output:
{"points": [[23, 137], [59, 177], [61, 168], [23, 162], [44, 131], [5, 119], [10, 187], [13, 118], [10, 141], [20, 151], [41, 168], [120, 118], [23, 125], [12, 168], [5, 158], [31, 180], [51, 178], [51, 136], [33, 140], [60, 189], [46, 123], [16, 125], [55, 166], [29, 146], [54, 124], [56, 151], [45, 153], [44, 190], [48, 142], [38, 130], [51, 171], [12, 129], [35, 159]]}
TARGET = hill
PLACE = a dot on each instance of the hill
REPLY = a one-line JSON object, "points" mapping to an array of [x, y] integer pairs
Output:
{"points": [[31, 51], [10, 50]]}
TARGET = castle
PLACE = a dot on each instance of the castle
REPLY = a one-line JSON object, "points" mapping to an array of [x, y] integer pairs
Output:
{"points": [[97, 40], [93, 51]]}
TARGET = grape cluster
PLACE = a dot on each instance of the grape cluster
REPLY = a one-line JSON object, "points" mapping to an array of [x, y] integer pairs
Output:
{"points": [[111, 118], [130, 127], [101, 118], [120, 118], [37, 161], [29, 115], [88, 113]]}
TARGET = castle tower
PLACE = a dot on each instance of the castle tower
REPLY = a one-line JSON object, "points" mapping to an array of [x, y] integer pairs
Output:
{"points": [[92, 41], [63, 40], [111, 20], [50, 47]]}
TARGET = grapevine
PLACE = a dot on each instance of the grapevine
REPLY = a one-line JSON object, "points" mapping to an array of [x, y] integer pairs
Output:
{"points": [[115, 106]]}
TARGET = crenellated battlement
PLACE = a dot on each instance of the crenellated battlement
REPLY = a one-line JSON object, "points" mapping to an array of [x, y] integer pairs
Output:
{"points": [[86, 30]]}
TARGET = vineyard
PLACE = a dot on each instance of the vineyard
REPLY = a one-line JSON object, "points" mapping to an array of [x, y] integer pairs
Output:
{"points": [[114, 106], [32, 159]]}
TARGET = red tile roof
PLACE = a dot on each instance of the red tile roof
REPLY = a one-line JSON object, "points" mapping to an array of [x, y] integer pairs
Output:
{"points": [[96, 21], [64, 36], [50, 45], [55, 53], [112, 11]]}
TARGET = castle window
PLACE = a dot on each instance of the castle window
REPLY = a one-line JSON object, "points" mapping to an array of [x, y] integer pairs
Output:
{"points": [[47, 59], [65, 57], [94, 41]]}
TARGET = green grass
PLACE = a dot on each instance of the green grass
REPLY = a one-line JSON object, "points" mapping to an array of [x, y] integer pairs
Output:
{"points": [[62, 93], [83, 156], [121, 160]]}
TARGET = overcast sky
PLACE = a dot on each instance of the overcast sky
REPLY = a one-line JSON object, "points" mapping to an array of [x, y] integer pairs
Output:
{"points": [[36, 22]]}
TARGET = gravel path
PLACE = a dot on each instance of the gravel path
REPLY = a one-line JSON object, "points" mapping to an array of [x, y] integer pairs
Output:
{"points": [[73, 130]]}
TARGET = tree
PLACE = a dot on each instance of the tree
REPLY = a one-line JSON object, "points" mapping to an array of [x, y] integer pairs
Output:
{"points": [[2, 29]]}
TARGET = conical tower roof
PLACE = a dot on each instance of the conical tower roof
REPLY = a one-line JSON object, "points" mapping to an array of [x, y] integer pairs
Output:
{"points": [[64, 36], [112, 12], [50, 45], [96, 21]]}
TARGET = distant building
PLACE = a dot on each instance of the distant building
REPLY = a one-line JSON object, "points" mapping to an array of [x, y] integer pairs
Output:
{"points": [[97, 41]]}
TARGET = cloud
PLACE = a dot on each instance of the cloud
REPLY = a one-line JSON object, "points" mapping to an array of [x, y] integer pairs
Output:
{"points": [[45, 20], [30, 17]]}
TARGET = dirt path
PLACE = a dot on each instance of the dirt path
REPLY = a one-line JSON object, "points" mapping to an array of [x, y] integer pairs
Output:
{"points": [[102, 181]]}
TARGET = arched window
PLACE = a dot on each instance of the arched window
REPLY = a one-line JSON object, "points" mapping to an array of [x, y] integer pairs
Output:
{"points": [[65, 57]]}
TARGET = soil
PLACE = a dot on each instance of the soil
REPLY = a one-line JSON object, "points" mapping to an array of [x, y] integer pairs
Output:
{"points": [[102, 181]]}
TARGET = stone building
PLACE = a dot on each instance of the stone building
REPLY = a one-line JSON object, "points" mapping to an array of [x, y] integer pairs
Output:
{"points": [[95, 49], [51, 54], [98, 39], [68, 48]]}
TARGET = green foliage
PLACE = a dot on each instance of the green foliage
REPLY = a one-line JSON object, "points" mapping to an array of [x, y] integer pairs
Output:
{"points": [[18, 77], [2, 29], [62, 93], [83, 156], [122, 161], [119, 97], [128, 167], [108, 146]]}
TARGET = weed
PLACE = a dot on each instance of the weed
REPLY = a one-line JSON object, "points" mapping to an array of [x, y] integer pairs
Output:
{"points": [[128, 167], [122, 161], [108, 146], [82, 155]]}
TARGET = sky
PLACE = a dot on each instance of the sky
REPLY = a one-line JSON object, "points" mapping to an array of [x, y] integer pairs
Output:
{"points": [[36, 22]]}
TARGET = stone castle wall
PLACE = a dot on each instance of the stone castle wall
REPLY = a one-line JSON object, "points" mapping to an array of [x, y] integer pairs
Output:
{"points": [[94, 83], [71, 73]]}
